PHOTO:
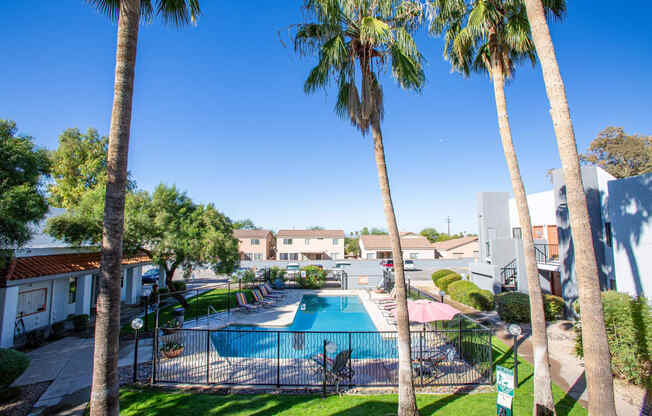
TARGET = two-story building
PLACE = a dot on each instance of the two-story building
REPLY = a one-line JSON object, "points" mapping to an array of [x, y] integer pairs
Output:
{"points": [[295, 245], [458, 248], [255, 244], [414, 247]]}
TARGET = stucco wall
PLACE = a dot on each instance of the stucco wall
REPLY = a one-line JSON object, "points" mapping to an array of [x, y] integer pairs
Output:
{"points": [[470, 250], [493, 219], [630, 213], [320, 245], [263, 247], [542, 209]]}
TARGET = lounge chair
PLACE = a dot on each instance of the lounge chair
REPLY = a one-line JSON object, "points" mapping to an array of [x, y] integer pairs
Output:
{"points": [[242, 302], [339, 371], [271, 290], [260, 300], [267, 294], [391, 298], [430, 365]]}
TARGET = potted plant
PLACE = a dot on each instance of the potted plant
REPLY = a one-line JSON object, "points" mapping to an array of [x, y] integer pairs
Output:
{"points": [[171, 327], [172, 349]]}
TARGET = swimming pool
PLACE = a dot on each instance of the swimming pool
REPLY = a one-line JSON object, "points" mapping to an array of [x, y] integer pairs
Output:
{"points": [[317, 319]]}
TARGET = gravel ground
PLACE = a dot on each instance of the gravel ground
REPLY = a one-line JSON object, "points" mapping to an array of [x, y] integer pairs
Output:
{"points": [[23, 405]]}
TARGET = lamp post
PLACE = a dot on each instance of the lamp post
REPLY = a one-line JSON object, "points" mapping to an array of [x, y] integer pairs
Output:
{"points": [[515, 331], [441, 295], [136, 324]]}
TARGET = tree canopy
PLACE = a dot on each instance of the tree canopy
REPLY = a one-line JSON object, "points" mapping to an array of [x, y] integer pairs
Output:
{"points": [[352, 246], [22, 197], [619, 153], [245, 224], [167, 225], [373, 231], [78, 164]]}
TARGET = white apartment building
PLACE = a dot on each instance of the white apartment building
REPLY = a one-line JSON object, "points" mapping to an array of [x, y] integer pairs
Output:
{"points": [[295, 245]]}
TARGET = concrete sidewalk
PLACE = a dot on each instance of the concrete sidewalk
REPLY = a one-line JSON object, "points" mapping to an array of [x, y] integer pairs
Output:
{"points": [[68, 363]]}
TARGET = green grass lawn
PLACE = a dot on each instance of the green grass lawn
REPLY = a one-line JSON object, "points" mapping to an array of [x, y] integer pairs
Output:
{"points": [[198, 306], [152, 402]]}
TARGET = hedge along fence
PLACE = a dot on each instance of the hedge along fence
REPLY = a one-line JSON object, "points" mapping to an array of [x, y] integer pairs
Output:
{"points": [[315, 277], [629, 330], [515, 307], [443, 282], [12, 364], [439, 274], [470, 294]]}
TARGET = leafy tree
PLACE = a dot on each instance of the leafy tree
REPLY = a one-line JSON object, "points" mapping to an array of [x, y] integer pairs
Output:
{"points": [[354, 38], [597, 358], [78, 164], [364, 231], [22, 200], [245, 224], [172, 230], [128, 13], [315, 227], [430, 233], [493, 36], [352, 246], [620, 154]]}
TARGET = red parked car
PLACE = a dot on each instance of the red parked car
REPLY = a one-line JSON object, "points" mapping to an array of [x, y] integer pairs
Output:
{"points": [[388, 263]]}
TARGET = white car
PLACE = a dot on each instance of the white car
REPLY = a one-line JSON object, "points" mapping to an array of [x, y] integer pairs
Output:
{"points": [[409, 265]]}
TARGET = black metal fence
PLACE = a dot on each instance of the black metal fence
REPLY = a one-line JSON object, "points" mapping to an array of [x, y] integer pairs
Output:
{"points": [[457, 353]]}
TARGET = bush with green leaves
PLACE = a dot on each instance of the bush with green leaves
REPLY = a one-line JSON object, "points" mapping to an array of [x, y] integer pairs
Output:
{"points": [[12, 364], [439, 274], [177, 286], [629, 329], [276, 273], [553, 307], [470, 294], [443, 282], [513, 306], [313, 278], [80, 322]]}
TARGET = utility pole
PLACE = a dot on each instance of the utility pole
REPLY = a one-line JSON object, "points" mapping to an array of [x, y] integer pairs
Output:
{"points": [[448, 221]]}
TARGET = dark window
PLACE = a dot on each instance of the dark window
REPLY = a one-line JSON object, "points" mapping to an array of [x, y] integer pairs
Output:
{"points": [[516, 233], [607, 231], [72, 290], [283, 256]]}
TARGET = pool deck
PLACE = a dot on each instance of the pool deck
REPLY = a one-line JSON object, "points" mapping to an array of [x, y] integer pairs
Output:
{"points": [[282, 314]]}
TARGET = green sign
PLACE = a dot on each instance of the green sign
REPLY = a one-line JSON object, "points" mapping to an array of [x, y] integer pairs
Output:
{"points": [[505, 387]]}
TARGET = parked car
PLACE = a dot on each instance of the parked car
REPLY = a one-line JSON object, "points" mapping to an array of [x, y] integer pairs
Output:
{"points": [[387, 263], [341, 265], [260, 273], [409, 265], [150, 276]]}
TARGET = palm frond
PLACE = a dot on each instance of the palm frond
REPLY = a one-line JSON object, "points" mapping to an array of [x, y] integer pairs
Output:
{"points": [[178, 12], [375, 32], [406, 69]]}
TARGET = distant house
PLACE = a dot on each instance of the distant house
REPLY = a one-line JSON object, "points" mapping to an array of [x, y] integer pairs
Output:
{"points": [[310, 245], [414, 247], [458, 248], [255, 244], [47, 281]]}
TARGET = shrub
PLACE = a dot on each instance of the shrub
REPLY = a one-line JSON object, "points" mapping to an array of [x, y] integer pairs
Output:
{"points": [[276, 273], [58, 330], [553, 307], [470, 294], [513, 306], [12, 364], [443, 282], [178, 286], [439, 274], [629, 329], [35, 338], [80, 322], [314, 278]]}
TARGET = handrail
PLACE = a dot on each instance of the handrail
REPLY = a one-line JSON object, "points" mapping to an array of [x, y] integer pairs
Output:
{"points": [[508, 275]]}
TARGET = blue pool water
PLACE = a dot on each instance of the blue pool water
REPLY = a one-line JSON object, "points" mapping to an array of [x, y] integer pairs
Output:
{"points": [[315, 314]]}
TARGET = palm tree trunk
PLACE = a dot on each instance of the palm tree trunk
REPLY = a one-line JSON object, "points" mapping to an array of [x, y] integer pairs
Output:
{"points": [[599, 378], [104, 397], [542, 382], [407, 404]]}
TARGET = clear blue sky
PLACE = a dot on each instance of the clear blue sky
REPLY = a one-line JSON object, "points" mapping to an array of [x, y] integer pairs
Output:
{"points": [[219, 110]]}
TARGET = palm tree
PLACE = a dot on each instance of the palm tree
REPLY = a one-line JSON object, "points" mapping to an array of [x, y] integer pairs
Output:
{"points": [[128, 13], [597, 359], [493, 36], [352, 37]]}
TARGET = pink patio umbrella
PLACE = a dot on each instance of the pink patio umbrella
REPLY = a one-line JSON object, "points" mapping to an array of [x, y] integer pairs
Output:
{"points": [[424, 311]]}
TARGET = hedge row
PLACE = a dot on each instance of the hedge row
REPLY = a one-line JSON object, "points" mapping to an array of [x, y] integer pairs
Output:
{"points": [[439, 274], [445, 281], [515, 307], [629, 330], [12, 364], [470, 294]]}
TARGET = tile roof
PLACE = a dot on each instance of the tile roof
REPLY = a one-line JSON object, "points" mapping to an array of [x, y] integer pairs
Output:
{"points": [[37, 266], [310, 234], [251, 233], [383, 242], [454, 243]]}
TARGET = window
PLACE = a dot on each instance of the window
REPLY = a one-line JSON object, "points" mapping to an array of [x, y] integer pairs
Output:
{"points": [[122, 279], [516, 233], [258, 256], [283, 256], [72, 290], [31, 302], [488, 249], [371, 256], [294, 256], [334, 256], [287, 241], [307, 241], [414, 256], [336, 241], [607, 231], [255, 241]]}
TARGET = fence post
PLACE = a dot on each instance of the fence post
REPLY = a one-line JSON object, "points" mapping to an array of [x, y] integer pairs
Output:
{"points": [[228, 297], [278, 359], [155, 348], [350, 364], [459, 338], [491, 359], [421, 353], [208, 357], [196, 306], [324, 366]]}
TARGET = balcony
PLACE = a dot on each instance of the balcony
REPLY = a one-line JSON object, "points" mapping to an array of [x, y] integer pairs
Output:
{"points": [[547, 254]]}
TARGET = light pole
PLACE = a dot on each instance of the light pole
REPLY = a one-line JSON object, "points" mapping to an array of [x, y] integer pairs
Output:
{"points": [[136, 324], [515, 331]]}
